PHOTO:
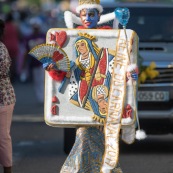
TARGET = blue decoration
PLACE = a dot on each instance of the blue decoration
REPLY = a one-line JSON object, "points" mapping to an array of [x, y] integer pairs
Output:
{"points": [[72, 65], [123, 15], [46, 61], [134, 76]]}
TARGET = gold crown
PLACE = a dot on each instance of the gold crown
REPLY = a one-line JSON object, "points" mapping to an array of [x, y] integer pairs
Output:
{"points": [[81, 2], [87, 36]]}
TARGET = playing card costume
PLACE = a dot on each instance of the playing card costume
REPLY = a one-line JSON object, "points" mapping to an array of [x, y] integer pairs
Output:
{"points": [[100, 90], [87, 152]]}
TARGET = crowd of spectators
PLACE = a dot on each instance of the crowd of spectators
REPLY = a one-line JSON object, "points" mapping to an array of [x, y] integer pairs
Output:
{"points": [[19, 28]]}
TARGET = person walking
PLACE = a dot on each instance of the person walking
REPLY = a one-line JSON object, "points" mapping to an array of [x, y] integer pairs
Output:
{"points": [[7, 103], [89, 145], [88, 149], [93, 78]]}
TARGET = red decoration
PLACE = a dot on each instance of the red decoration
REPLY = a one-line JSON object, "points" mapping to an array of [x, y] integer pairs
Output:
{"points": [[137, 70], [61, 38], [102, 27], [54, 110], [127, 112], [52, 37], [57, 75], [54, 99], [57, 56]]}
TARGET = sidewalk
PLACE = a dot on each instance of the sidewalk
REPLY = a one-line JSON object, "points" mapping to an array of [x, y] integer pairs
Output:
{"points": [[27, 108]]}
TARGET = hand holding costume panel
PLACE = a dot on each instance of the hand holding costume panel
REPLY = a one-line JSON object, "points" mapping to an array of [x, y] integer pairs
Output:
{"points": [[51, 54]]}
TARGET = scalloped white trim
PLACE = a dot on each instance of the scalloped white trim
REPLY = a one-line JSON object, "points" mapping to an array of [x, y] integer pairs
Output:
{"points": [[70, 19], [97, 6], [107, 17], [131, 67], [125, 121]]}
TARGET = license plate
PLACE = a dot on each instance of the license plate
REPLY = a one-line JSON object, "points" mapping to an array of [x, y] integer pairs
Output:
{"points": [[153, 96]]}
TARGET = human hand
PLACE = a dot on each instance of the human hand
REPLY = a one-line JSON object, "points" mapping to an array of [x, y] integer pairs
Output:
{"points": [[50, 67], [68, 74]]}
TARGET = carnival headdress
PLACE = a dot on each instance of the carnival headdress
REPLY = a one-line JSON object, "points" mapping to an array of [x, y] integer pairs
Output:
{"points": [[71, 18], [89, 4]]}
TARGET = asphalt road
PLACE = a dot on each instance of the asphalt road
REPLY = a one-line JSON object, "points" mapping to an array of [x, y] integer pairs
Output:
{"points": [[38, 148]]}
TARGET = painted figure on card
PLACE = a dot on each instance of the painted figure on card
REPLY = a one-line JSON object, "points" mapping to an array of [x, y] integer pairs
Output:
{"points": [[92, 70]]}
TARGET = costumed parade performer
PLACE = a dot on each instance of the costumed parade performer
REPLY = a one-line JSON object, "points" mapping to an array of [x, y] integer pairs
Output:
{"points": [[88, 149], [102, 81]]}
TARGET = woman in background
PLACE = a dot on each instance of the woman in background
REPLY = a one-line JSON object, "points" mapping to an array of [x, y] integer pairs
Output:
{"points": [[7, 102], [11, 41]]}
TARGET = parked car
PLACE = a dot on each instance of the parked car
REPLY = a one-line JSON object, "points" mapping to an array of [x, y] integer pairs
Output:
{"points": [[153, 23]]}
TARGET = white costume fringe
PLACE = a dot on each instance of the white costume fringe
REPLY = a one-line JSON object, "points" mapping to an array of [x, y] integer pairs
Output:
{"points": [[71, 19], [140, 134]]}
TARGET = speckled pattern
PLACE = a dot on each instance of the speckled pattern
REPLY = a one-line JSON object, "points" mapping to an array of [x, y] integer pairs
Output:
{"points": [[7, 95], [86, 154]]}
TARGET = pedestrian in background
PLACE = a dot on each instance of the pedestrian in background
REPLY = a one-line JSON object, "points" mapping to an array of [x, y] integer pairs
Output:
{"points": [[7, 102], [11, 41], [35, 67]]}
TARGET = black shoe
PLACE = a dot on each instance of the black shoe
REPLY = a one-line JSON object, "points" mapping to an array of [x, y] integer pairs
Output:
{"points": [[7, 169]]}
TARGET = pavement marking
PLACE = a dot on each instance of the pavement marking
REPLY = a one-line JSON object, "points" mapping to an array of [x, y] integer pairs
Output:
{"points": [[27, 118], [25, 143]]}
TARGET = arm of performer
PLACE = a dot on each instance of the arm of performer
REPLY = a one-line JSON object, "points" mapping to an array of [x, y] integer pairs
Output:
{"points": [[51, 67], [57, 75]]}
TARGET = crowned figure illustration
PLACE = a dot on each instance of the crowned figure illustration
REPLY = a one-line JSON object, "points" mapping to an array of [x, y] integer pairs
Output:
{"points": [[93, 75]]}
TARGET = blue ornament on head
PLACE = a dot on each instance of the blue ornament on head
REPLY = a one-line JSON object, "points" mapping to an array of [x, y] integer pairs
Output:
{"points": [[123, 15]]}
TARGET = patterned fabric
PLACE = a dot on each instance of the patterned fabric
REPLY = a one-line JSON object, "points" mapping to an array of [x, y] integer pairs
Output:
{"points": [[7, 95], [87, 152], [88, 149], [85, 63]]}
